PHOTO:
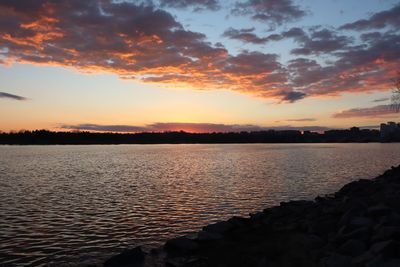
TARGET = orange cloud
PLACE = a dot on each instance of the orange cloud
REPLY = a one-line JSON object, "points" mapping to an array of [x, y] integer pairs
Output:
{"points": [[147, 44]]}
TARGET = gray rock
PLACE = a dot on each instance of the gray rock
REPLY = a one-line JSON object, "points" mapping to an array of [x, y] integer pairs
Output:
{"points": [[352, 248], [208, 236], [219, 227], [364, 258], [385, 263], [182, 261], [387, 249], [390, 263], [336, 260], [181, 245], [238, 221], [130, 257], [313, 241], [379, 210], [386, 233], [358, 222], [362, 234]]}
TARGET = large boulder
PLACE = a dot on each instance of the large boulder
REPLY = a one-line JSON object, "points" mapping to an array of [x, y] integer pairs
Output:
{"points": [[181, 245], [130, 257]]}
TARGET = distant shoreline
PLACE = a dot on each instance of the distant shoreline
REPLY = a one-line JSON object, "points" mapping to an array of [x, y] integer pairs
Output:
{"points": [[249, 143], [44, 137]]}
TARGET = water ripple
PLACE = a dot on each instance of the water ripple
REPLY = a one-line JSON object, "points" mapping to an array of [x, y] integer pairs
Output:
{"points": [[71, 205]]}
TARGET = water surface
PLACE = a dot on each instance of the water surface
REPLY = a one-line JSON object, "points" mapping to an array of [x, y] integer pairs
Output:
{"points": [[70, 205]]}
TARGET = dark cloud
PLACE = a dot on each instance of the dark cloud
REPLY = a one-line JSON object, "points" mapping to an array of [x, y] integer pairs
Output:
{"points": [[188, 127], [248, 36], [273, 12], [317, 41], [11, 96], [320, 42], [371, 112], [244, 35], [196, 4], [358, 68], [379, 20], [292, 96]]}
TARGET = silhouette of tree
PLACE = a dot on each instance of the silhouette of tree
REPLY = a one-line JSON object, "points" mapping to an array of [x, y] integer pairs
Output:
{"points": [[396, 93]]}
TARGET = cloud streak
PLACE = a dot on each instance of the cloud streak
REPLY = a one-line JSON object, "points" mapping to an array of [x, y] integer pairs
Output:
{"points": [[187, 127], [370, 112], [11, 96], [198, 5], [302, 119]]}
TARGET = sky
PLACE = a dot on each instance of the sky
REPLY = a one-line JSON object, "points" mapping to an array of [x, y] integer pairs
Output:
{"points": [[200, 66]]}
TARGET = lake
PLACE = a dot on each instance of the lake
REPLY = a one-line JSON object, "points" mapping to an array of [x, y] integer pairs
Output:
{"points": [[71, 205]]}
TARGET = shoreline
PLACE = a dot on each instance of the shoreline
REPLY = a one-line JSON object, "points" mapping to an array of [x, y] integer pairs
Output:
{"points": [[359, 225], [221, 143]]}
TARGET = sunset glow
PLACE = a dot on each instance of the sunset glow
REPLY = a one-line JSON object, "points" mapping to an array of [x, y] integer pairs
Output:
{"points": [[197, 66]]}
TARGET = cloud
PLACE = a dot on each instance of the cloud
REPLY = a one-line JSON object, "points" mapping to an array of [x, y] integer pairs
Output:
{"points": [[104, 128], [137, 42], [317, 41], [188, 127], [301, 120], [358, 68], [273, 12], [320, 41], [145, 43], [292, 96], [371, 112], [198, 5], [244, 35], [381, 99], [11, 96], [378, 20]]}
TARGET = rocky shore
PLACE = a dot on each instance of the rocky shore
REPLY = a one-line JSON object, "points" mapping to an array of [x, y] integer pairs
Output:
{"points": [[357, 226]]}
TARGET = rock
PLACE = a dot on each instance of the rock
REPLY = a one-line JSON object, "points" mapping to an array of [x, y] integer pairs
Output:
{"points": [[312, 241], [208, 236], [364, 258], [358, 222], [378, 210], [322, 227], [362, 234], [219, 227], [356, 188], [182, 261], [387, 249], [130, 257], [336, 260], [352, 208], [239, 221], [257, 216], [352, 248], [385, 233], [393, 219], [388, 263], [181, 245]]}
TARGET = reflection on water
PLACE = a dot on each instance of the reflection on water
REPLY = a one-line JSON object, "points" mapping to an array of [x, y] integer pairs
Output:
{"points": [[66, 205]]}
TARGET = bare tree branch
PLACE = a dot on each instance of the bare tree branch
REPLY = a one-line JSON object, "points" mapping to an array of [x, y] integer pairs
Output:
{"points": [[396, 93]]}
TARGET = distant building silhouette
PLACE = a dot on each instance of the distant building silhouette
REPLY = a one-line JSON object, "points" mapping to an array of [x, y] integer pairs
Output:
{"points": [[389, 130]]}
